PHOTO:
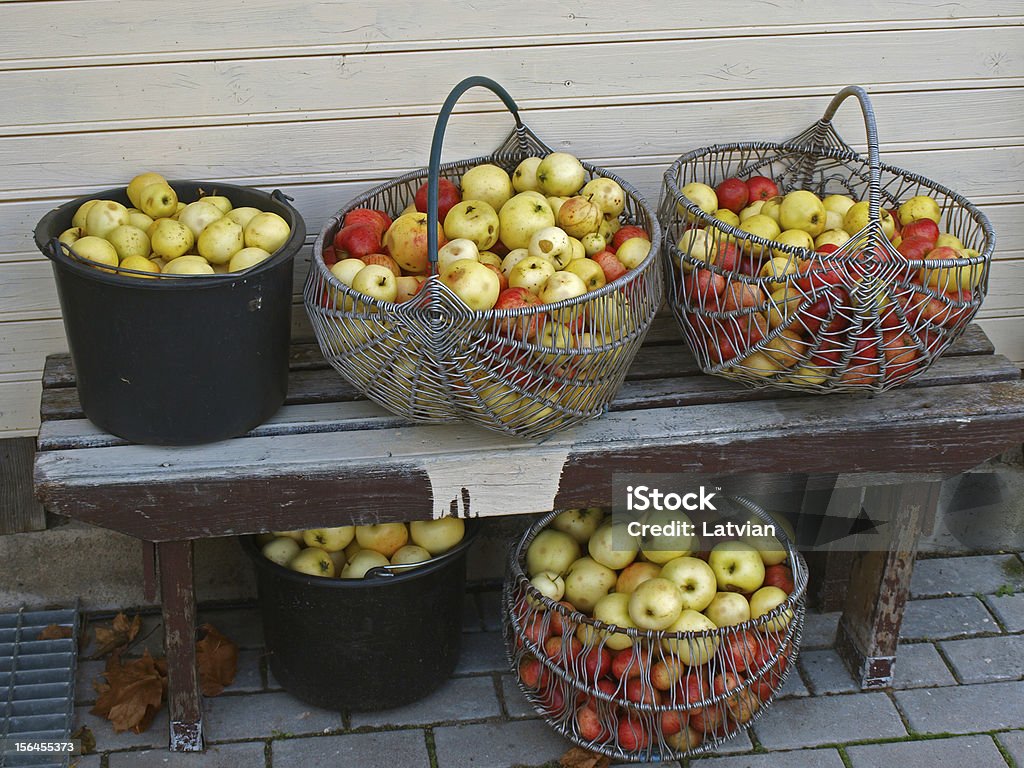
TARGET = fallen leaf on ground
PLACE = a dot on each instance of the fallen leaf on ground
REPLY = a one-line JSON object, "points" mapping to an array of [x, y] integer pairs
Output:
{"points": [[119, 634], [577, 757], [87, 738], [217, 658], [132, 693], [54, 632]]}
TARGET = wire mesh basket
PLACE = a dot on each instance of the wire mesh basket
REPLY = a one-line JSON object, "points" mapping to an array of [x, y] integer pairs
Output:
{"points": [[527, 371], [635, 694], [867, 316]]}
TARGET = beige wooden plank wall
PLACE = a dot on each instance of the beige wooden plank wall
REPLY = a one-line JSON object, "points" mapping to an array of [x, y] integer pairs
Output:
{"points": [[324, 99]]}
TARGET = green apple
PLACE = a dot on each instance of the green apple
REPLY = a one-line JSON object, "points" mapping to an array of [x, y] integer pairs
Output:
{"points": [[524, 178], [551, 550], [96, 249], [474, 220], [560, 174], [764, 601], [701, 195], [188, 265], [836, 237], [655, 604], [243, 215], [751, 210], [220, 201], [199, 215], [363, 561], [474, 283], [589, 271], [694, 578], [376, 282], [487, 182], [410, 554], [437, 536], [607, 194], [633, 252], [329, 539], [802, 210], [549, 584], [268, 231], [531, 273], [838, 203], [737, 565], [728, 609], [612, 609], [129, 241], [772, 208], [857, 218], [313, 562], [579, 523], [612, 546], [385, 538], [586, 582], [456, 250], [697, 650], [247, 257]]}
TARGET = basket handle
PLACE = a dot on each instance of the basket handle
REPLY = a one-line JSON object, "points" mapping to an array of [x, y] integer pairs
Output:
{"points": [[874, 164], [434, 169]]}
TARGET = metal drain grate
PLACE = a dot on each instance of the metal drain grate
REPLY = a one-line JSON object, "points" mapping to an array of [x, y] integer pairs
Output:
{"points": [[37, 684]]}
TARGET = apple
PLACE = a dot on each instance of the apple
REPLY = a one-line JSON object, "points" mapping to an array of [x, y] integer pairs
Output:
{"points": [[695, 650], [408, 555], [666, 673], [157, 200], [856, 219], [753, 209], [922, 228], [475, 283], [586, 582], [549, 584], [578, 523], [358, 240], [612, 547], [527, 326], [696, 244], [407, 286], [741, 703], [802, 210], [611, 609], [607, 195], [780, 576], [950, 279], [738, 566], [532, 672], [406, 242], [313, 562], [632, 735], [531, 273], [281, 550], [694, 578], [728, 609], [949, 240], [591, 727], [655, 604], [474, 220], [456, 250], [447, 196], [521, 216], [560, 174], [589, 271], [765, 600], [486, 182], [732, 194], [524, 178], [556, 204], [440, 535], [635, 574], [578, 216], [778, 267], [835, 237], [838, 203], [512, 258], [770, 548], [760, 188], [362, 562], [633, 252], [701, 195], [919, 207], [169, 239], [329, 539], [551, 550], [220, 240], [376, 282], [759, 225], [385, 538], [613, 268], [553, 244], [771, 208]]}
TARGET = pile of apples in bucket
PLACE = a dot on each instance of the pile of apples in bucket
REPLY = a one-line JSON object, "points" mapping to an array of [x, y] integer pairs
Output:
{"points": [[539, 235], [586, 566]]}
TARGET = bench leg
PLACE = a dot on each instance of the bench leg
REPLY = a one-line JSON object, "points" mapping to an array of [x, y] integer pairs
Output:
{"points": [[869, 628], [177, 592]]}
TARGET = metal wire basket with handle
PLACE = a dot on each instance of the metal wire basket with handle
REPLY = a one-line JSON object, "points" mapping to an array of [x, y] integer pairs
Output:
{"points": [[527, 371], [644, 695], [869, 314]]}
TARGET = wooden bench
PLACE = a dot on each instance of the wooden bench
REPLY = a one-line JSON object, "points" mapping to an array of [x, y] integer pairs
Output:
{"points": [[330, 457]]}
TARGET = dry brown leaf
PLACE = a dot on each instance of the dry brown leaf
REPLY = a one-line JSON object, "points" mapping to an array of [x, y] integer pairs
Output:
{"points": [[87, 738], [120, 633], [577, 757], [132, 694], [54, 632], [217, 658]]}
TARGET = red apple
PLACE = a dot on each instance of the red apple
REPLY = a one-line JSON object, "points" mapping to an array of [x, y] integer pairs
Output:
{"points": [[628, 232], [532, 672], [641, 692], [330, 257], [827, 248], [358, 240], [628, 662], [633, 736], [706, 720], [741, 704], [609, 262], [925, 229], [561, 649], [780, 575], [741, 295], [376, 219], [518, 298], [733, 194], [597, 663], [721, 352], [916, 248], [761, 188], [901, 353], [727, 256], [740, 651], [673, 721], [382, 259], [591, 726], [665, 675], [448, 196]]}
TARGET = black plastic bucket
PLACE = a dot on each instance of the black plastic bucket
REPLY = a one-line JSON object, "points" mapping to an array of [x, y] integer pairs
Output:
{"points": [[178, 361], [363, 645]]}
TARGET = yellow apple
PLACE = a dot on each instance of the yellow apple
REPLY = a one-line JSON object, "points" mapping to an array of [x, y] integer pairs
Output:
{"points": [[489, 183], [802, 210], [139, 183], [919, 207]]}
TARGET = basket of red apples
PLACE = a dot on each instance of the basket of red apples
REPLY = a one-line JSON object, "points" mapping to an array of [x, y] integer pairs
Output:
{"points": [[511, 290], [644, 647], [807, 266]]}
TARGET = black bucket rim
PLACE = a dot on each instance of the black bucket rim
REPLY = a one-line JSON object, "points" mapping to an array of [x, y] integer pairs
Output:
{"points": [[286, 252], [251, 549]]}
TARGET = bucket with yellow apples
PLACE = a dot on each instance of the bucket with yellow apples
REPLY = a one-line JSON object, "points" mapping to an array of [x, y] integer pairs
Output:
{"points": [[807, 266], [511, 290], [653, 646]]}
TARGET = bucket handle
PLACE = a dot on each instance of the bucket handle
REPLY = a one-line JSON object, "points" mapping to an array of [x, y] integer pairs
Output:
{"points": [[434, 169]]}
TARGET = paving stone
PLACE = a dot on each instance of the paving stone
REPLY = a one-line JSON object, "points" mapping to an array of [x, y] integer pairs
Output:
{"points": [[516, 703], [482, 652], [496, 745], [256, 716], [1013, 743], [155, 736], [794, 686], [986, 659], [462, 698], [979, 574], [963, 708], [248, 753], [87, 672], [384, 749], [964, 750], [946, 617], [795, 723], [804, 758], [243, 626], [85, 761], [471, 621], [740, 742], [826, 672], [820, 630], [247, 678], [1009, 609], [919, 665], [489, 604]]}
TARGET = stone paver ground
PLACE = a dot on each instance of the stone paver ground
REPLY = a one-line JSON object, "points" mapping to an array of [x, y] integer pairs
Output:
{"points": [[958, 699]]}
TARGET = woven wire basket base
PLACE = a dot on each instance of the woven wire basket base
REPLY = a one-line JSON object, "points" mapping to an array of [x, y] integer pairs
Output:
{"points": [[864, 317], [562, 659], [431, 359]]}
